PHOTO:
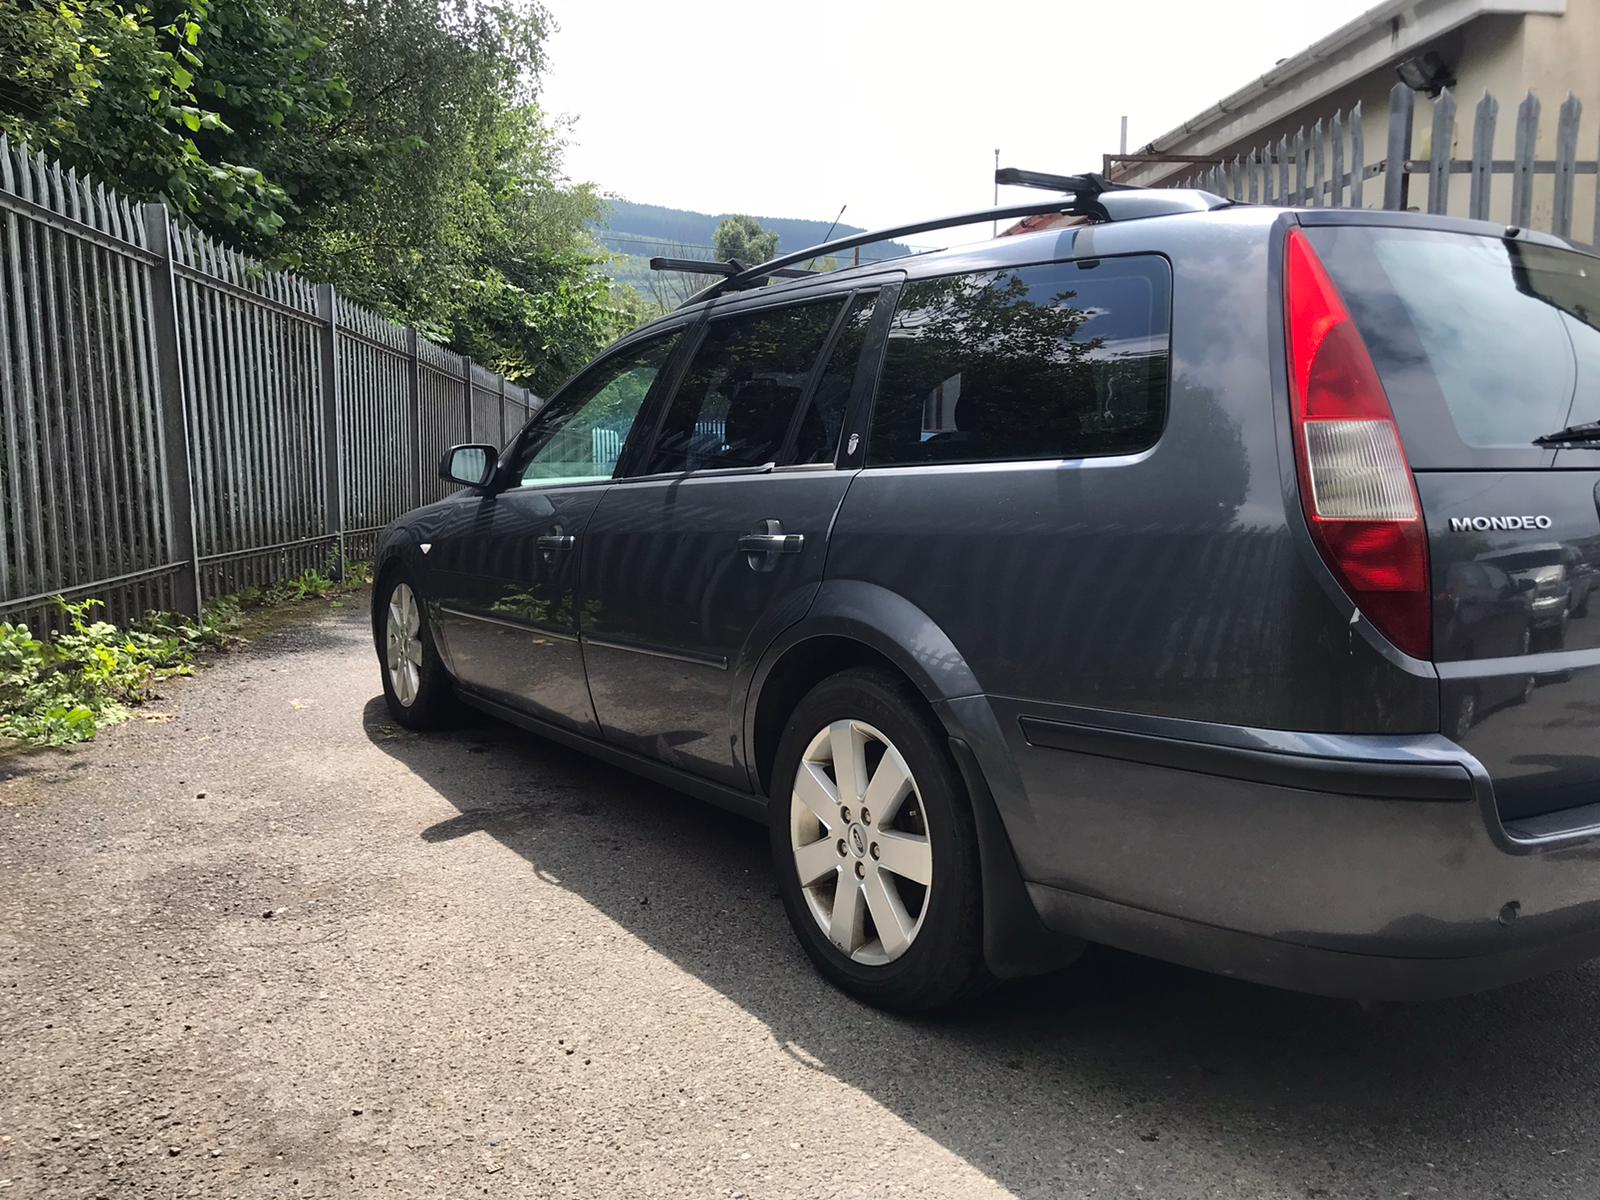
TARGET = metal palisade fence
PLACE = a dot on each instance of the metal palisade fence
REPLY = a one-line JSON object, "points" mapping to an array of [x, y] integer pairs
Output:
{"points": [[1327, 166], [177, 422]]}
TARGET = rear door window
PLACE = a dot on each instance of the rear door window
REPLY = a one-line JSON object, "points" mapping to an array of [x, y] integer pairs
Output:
{"points": [[1061, 360], [742, 389], [1482, 343]]}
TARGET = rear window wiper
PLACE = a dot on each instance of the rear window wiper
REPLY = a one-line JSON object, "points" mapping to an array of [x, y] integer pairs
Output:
{"points": [[1573, 435]]}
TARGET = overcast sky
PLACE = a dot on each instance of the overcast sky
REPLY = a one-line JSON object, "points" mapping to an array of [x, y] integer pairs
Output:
{"points": [[892, 108]]}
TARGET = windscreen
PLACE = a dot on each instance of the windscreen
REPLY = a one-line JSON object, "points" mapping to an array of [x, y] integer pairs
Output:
{"points": [[1483, 344]]}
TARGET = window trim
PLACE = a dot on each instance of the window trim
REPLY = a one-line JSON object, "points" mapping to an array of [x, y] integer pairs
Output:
{"points": [[865, 429]]}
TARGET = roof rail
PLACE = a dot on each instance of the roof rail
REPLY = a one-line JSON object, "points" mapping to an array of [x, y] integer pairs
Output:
{"points": [[1083, 199], [759, 274]]}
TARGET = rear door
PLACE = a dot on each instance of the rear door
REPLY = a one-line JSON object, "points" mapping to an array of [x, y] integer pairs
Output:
{"points": [[1484, 345], [718, 543]]}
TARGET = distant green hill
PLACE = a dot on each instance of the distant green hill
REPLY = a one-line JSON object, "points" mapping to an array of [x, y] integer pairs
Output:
{"points": [[642, 230]]}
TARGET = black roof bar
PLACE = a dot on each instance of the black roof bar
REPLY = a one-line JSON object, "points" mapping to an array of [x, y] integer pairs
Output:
{"points": [[1083, 186], [755, 275], [701, 266]]}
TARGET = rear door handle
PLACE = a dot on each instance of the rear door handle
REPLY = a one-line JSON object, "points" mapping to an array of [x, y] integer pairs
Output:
{"points": [[556, 541], [772, 543]]}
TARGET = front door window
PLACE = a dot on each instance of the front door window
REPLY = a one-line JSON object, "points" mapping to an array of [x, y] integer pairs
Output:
{"points": [[579, 437]]}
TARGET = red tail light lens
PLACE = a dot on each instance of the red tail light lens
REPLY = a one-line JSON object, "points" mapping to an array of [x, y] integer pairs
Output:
{"points": [[1357, 489]]}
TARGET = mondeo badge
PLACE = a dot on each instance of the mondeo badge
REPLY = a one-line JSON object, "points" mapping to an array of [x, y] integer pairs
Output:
{"points": [[1484, 524]]}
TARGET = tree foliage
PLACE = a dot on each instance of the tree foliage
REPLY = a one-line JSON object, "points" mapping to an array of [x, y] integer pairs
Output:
{"points": [[741, 238], [394, 148]]}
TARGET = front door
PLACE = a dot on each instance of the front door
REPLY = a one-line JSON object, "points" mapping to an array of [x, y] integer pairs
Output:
{"points": [[508, 570], [692, 568]]}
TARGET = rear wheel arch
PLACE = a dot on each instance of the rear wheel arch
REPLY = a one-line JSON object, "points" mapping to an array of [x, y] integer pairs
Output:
{"points": [[853, 624], [850, 624]]}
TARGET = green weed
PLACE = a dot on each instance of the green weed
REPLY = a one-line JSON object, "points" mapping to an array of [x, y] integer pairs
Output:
{"points": [[65, 687]]}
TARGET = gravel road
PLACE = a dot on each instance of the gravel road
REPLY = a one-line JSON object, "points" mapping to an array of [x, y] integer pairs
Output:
{"points": [[273, 946]]}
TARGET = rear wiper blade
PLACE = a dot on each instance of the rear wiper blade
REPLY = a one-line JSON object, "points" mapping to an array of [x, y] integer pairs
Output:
{"points": [[1582, 434]]}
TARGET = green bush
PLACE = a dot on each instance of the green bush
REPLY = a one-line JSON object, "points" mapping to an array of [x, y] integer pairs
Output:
{"points": [[64, 688]]}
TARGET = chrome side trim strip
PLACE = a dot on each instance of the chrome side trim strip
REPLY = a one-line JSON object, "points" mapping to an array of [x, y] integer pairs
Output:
{"points": [[519, 626], [697, 660]]}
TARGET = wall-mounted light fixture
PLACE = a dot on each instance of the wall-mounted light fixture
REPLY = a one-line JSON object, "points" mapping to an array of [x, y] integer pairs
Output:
{"points": [[1426, 72]]}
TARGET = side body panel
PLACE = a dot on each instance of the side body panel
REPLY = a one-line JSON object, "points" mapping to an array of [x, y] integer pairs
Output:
{"points": [[503, 588], [1176, 583], [671, 604]]}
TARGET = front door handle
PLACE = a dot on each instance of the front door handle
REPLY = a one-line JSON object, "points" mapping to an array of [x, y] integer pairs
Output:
{"points": [[772, 543], [556, 541]]}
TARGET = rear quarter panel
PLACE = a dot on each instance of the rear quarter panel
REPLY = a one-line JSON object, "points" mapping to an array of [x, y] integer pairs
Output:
{"points": [[1171, 582]]}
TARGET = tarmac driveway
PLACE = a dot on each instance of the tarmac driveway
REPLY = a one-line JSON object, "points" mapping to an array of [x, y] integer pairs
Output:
{"points": [[273, 946]]}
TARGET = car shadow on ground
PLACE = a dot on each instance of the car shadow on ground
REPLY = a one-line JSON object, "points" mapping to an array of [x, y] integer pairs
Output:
{"points": [[1116, 1055]]}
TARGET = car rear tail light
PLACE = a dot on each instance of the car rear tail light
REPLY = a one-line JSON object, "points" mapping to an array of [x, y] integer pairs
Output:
{"points": [[1355, 483]]}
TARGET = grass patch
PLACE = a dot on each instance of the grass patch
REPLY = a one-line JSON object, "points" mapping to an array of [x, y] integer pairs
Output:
{"points": [[66, 686]]}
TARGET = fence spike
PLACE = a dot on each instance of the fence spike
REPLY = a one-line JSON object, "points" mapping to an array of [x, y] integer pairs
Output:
{"points": [[1522, 165], [114, 214], [132, 219], [1318, 165], [1597, 207], [98, 203], [1570, 115], [7, 178], [1482, 171], [1300, 164], [1397, 157], [1283, 170], [1336, 171], [86, 200], [1358, 157], [1442, 142], [70, 196], [24, 174]]}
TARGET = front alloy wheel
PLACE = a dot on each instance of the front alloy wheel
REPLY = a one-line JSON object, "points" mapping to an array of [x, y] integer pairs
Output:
{"points": [[416, 686], [403, 639], [859, 835]]}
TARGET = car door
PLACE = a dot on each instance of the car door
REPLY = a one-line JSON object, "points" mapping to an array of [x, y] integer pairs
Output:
{"points": [[694, 565], [507, 570]]}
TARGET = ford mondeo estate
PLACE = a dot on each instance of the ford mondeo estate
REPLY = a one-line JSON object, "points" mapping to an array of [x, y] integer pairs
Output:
{"points": [[1207, 580]]}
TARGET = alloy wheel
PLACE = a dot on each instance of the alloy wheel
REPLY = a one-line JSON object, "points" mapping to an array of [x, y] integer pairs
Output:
{"points": [[403, 634], [860, 840]]}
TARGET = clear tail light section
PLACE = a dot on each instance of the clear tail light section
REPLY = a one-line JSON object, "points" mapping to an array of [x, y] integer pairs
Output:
{"points": [[1356, 486]]}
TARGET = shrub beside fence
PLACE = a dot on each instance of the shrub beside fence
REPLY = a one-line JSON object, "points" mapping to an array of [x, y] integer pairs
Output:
{"points": [[178, 422]]}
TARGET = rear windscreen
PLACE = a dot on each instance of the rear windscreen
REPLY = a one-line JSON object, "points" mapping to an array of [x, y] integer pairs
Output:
{"points": [[1483, 343]]}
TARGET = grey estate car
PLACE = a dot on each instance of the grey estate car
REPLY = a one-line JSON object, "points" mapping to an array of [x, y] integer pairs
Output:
{"points": [[1161, 580]]}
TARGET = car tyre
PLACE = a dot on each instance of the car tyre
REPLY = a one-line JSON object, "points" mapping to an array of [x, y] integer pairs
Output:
{"points": [[417, 688], [887, 904]]}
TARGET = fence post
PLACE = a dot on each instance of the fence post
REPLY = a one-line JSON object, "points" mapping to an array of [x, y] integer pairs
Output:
{"points": [[332, 441], [1397, 161], [466, 379], [503, 433], [414, 411], [177, 464]]}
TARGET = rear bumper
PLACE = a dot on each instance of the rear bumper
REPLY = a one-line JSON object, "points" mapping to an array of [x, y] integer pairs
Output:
{"points": [[1372, 867], [1310, 968]]}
